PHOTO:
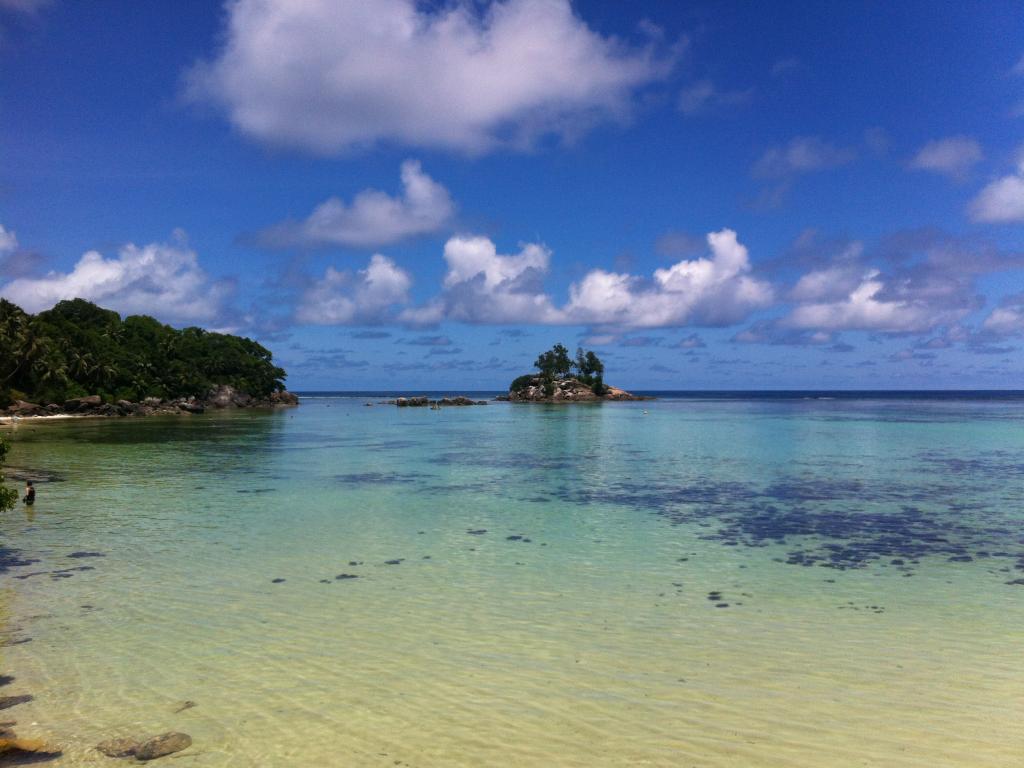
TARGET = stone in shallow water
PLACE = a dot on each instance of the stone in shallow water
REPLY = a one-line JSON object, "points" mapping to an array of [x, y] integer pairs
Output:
{"points": [[277, 581], [118, 747], [15, 751], [166, 744], [86, 554], [6, 702], [344, 576]]}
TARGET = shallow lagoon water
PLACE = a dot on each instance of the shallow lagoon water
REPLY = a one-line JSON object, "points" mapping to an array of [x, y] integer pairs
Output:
{"points": [[712, 583]]}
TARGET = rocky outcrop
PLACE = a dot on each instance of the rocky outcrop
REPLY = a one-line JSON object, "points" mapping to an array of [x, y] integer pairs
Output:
{"points": [[422, 401], [217, 398], [568, 390]]}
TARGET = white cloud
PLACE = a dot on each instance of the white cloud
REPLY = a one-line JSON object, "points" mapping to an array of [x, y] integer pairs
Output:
{"points": [[483, 286], [953, 156], [707, 291], [8, 241], [162, 279], [332, 75], [1008, 318], [373, 218], [874, 305], [1002, 201], [703, 96], [368, 296], [803, 154]]}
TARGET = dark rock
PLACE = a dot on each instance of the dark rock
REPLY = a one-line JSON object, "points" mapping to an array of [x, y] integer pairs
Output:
{"points": [[23, 408], [277, 581], [284, 398], [118, 747], [6, 702], [78, 555], [412, 402], [344, 576], [394, 562], [166, 744]]}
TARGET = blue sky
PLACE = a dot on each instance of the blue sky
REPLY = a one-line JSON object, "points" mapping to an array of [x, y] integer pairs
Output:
{"points": [[426, 195]]}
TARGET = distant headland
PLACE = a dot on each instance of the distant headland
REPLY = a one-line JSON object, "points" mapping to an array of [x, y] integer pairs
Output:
{"points": [[561, 379], [78, 358]]}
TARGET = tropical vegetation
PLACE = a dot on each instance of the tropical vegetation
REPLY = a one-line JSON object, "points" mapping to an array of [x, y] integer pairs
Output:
{"points": [[77, 349], [8, 496], [556, 364]]}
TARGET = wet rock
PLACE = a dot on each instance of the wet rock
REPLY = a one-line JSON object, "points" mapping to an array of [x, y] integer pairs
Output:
{"points": [[344, 576], [6, 702], [477, 532], [86, 554], [118, 747], [15, 751], [277, 581], [397, 561], [159, 746]]}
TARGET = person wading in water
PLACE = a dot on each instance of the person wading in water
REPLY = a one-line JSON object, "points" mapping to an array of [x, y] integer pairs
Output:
{"points": [[30, 493]]}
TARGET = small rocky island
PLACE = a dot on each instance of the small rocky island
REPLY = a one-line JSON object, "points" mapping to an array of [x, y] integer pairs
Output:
{"points": [[562, 379]]}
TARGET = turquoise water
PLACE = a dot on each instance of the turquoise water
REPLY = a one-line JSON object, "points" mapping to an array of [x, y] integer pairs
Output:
{"points": [[682, 582]]}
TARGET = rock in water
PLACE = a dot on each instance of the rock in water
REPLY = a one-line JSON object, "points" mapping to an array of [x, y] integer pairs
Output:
{"points": [[118, 747], [14, 751], [166, 744], [6, 702]]}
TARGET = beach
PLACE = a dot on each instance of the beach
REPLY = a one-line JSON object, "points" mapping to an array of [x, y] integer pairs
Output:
{"points": [[713, 582]]}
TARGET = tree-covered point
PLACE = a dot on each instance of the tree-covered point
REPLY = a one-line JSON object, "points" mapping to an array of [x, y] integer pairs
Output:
{"points": [[78, 349], [556, 364]]}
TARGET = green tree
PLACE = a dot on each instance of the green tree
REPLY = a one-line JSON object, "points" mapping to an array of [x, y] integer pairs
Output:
{"points": [[8, 496], [555, 363]]}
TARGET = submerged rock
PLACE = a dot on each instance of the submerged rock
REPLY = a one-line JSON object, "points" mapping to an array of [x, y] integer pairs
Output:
{"points": [[6, 702], [118, 747], [159, 746]]}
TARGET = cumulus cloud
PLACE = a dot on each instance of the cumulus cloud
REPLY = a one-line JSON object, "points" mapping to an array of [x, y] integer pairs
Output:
{"points": [[373, 218], [483, 286], [1008, 318], [804, 154], [715, 290], [332, 75], [704, 96], [873, 305], [1002, 201], [954, 157], [162, 279], [366, 296]]}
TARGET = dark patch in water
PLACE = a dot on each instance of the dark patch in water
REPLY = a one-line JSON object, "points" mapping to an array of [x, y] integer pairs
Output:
{"points": [[277, 581], [12, 558], [397, 561], [6, 702], [477, 532], [345, 576], [255, 490], [379, 478], [513, 538], [86, 554]]}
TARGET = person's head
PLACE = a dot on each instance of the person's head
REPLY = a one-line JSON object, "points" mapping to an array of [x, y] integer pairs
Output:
{"points": [[29, 483]]}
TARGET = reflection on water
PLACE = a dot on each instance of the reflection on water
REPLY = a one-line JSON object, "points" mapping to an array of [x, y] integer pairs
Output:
{"points": [[714, 583]]}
